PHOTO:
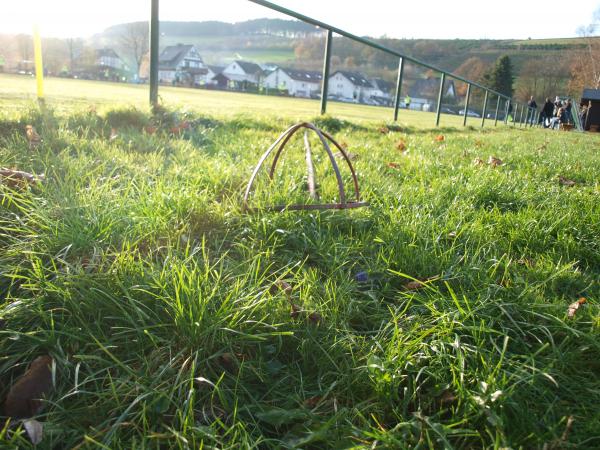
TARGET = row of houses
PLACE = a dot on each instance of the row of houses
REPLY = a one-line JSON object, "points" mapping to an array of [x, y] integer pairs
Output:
{"points": [[183, 65]]}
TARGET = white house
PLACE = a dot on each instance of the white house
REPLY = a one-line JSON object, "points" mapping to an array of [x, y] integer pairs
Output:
{"points": [[424, 93], [350, 86], [381, 93], [182, 64], [298, 83], [240, 75]]}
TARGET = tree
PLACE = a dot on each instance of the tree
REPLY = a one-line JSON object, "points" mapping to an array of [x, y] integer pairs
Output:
{"points": [[500, 78], [473, 69], [585, 64], [135, 42]]}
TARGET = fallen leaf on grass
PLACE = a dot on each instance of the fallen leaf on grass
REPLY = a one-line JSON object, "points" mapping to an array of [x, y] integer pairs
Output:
{"points": [[113, 134], [150, 130], [315, 318], [228, 362], [418, 284], [574, 307], [35, 430], [312, 402], [393, 165], [384, 130], [24, 397], [566, 182], [495, 162], [15, 178], [440, 138], [447, 397], [478, 162], [351, 156], [32, 136], [401, 145]]}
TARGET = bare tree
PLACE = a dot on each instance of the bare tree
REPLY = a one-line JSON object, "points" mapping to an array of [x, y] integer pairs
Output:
{"points": [[585, 65], [25, 46], [135, 42]]}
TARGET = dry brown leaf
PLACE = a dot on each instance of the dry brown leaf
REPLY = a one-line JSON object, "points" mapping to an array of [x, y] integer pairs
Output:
{"points": [[312, 402], [566, 182], [351, 156], [32, 136], [401, 145], [384, 130], [228, 362], [574, 307], [418, 284], [478, 162], [296, 310], [150, 129], [24, 397], [447, 397], [393, 165], [315, 318], [440, 138], [495, 162], [35, 430], [113, 134], [15, 178]]}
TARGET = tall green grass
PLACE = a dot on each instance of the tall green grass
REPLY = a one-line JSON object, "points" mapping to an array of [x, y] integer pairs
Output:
{"points": [[135, 268]]}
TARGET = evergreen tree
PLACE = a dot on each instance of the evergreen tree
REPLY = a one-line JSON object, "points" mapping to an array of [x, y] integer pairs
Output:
{"points": [[500, 78]]}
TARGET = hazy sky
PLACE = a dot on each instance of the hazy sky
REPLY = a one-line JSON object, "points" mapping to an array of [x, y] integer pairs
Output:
{"points": [[401, 19]]}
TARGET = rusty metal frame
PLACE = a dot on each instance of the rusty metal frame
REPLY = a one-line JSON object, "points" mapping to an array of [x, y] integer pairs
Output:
{"points": [[280, 144]]}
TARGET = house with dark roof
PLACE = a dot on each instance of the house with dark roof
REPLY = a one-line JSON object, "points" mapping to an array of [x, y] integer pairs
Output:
{"points": [[350, 86], [382, 92], [591, 119], [240, 75], [424, 93], [297, 83], [107, 57], [182, 64]]}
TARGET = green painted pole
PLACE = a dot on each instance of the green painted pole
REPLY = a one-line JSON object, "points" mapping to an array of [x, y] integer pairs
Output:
{"points": [[497, 110], [326, 64], [485, 103], [468, 99], [516, 115], [398, 89], [440, 98], [154, 36], [521, 117]]}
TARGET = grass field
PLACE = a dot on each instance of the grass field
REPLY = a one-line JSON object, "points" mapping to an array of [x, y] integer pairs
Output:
{"points": [[163, 305], [17, 92]]}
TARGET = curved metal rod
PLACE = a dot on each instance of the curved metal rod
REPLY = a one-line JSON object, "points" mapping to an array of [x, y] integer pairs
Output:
{"points": [[350, 166], [283, 144], [261, 162], [336, 169]]}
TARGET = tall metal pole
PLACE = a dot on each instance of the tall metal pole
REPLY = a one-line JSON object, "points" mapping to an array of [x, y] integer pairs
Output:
{"points": [[440, 98], [398, 88], [468, 99], [497, 109], [506, 112], [521, 117], [485, 103], [154, 36], [326, 64]]}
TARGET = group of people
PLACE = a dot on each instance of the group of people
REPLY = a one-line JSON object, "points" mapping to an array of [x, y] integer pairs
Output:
{"points": [[553, 114]]}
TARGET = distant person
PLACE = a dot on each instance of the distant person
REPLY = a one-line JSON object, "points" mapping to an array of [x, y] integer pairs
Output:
{"points": [[568, 112], [532, 108], [557, 105], [407, 101], [547, 113]]}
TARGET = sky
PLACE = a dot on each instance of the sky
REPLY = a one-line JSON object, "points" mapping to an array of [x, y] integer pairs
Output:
{"points": [[436, 19]]}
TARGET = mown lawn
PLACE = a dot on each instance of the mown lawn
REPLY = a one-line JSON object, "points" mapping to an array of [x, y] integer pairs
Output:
{"points": [[166, 309], [18, 91]]}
